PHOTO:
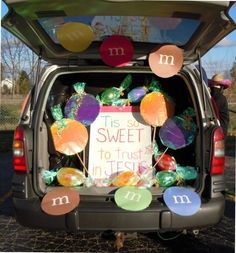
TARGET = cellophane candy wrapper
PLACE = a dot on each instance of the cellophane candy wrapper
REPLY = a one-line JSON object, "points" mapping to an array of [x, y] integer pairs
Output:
{"points": [[186, 172], [111, 96], [178, 131], [166, 178], [81, 106]]}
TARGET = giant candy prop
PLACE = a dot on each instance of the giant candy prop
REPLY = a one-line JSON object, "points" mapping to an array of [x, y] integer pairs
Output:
{"points": [[81, 106]]}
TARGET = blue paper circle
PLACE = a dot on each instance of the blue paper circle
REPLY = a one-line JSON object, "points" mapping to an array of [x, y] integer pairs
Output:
{"points": [[182, 201]]}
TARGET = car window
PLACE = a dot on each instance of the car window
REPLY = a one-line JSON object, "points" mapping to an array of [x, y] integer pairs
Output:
{"points": [[138, 28]]}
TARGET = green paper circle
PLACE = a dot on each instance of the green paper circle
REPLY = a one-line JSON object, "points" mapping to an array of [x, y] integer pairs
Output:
{"points": [[132, 198]]}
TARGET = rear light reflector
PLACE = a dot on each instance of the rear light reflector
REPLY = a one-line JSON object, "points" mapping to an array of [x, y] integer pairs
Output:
{"points": [[19, 159], [218, 152]]}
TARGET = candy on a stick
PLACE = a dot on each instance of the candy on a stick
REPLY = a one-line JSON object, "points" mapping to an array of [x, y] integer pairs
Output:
{"points": [[81, 106]]}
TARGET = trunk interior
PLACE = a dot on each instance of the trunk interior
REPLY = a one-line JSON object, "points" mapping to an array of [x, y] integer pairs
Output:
{"points": [[50, 161]]}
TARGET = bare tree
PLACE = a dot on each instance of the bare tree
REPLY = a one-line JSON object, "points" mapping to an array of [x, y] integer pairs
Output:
{"points": [[15, 57]]}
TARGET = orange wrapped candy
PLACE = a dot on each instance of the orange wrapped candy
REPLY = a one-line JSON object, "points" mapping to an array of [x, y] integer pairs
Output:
{"points": [[126, 178], [69, 136], [155, 108]]}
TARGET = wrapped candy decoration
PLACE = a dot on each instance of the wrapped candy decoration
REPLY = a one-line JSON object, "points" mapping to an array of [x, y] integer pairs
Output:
{"points": [[125, 178], [155, 108], [69, 136], [179, 131], [186, 173], [136, 94], [81, 106], [147, 176], [70, 177], [48, 176], [113, 94], [166, 178], [166, 162]]}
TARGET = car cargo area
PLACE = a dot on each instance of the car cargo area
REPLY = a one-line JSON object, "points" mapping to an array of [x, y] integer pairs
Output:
{"points": [[136, 129]]}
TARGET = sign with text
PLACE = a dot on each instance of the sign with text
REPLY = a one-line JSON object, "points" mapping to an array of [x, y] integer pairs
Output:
{"points": [[119, 141]]}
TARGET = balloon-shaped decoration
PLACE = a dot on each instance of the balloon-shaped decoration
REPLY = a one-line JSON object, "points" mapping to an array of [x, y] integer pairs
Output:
{"points": [[186, 173], [116, 51], [70, 177], [155, 108], [166, 178], [125, 178], [75, 36], [112, 95], [82, 107], [178, 131], [166, 162], [69, 136]]}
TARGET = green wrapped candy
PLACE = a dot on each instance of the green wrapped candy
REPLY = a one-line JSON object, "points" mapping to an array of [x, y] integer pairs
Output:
{"points": [[111, 95], [57, 112], [166, 178], [186, 173], [48, 176]]}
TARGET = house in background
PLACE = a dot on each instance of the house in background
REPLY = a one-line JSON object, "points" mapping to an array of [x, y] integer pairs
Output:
{"points": [[6, 86]]}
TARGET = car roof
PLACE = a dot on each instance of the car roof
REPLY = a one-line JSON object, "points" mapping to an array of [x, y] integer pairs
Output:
{"points": [[194, 26]]}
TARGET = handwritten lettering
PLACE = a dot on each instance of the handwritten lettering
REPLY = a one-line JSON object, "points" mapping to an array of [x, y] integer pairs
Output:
{"points": [[122, 135], [181, 199], [166, 59], [60, 201], [115, 51]]}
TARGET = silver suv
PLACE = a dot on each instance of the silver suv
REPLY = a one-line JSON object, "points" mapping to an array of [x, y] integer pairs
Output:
{"points": [[146, 151]]}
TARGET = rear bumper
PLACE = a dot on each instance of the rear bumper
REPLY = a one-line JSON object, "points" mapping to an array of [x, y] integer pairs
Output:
{"points": [[102, 216]]}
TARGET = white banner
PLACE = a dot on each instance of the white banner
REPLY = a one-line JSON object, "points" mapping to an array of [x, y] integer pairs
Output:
{"points": [[119, 141]]}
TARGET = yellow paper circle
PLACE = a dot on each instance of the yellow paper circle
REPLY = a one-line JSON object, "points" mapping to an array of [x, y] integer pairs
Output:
{"points": [[74, 36]]}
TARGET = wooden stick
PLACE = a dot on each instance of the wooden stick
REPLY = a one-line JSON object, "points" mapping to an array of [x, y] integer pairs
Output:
{"points": [[82, 163], [160, 158], [154, 134]]}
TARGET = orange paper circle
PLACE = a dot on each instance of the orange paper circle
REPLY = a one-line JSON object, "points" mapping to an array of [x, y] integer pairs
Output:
{"points": [[155, 108], [60, 201], [69, 136], [166, 61], [75, 36]]}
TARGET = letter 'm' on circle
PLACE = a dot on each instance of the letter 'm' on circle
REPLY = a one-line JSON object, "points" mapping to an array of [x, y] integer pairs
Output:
{"points": [[60, 201], [116, 51], [165, 61], [132, 198], [182, 201]]}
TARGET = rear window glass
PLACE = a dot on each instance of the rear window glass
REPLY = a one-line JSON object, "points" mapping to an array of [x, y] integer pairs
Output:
{"points": [[139, 29]]}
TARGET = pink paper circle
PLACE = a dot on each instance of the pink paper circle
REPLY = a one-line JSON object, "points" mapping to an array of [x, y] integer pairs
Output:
{"points": [[166, 61], [116, 51]]}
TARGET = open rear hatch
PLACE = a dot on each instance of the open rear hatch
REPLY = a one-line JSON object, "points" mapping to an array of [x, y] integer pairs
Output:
{"points": [[194, 27], [191, 25]]}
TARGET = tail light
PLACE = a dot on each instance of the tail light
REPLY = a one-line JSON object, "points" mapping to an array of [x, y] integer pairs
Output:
{"points": [[19, 159], [218, 152]]}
